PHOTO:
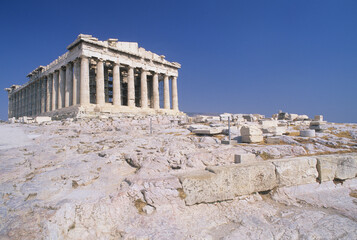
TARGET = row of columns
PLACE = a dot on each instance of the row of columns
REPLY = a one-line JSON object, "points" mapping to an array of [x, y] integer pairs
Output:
{"points": [[69, 85]]}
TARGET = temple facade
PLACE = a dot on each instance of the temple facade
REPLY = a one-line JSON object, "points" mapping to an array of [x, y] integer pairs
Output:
{"points": [[95, 77]]}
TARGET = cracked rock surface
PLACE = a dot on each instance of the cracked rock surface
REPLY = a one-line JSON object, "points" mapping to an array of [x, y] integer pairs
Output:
{"points": [[112, 179]]}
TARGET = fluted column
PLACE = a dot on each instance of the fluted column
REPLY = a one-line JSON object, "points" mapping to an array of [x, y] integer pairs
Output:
{"points": [[116, 85], [155, 86], [69, 86], [54, 90], [61, 87], [100, 83], [131, 87], [174, 94], [76, 81], [144, 89], [35, 90], [43, 95], [84, 85], [166, 93], [20, 103], [48, 93]]}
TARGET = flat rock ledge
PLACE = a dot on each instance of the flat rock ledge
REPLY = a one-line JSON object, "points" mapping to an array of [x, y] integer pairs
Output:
{"points": [[226, 182]]}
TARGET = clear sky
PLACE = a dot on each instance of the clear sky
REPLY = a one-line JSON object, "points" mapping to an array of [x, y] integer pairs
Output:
{"points": [[299, 56]]}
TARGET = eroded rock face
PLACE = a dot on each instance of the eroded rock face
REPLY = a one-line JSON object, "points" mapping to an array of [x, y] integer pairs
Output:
{"points": [[111, 179], [340, 167]]}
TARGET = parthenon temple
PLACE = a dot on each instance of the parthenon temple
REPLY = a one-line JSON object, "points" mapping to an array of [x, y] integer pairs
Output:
{"points": [[98, 77]]}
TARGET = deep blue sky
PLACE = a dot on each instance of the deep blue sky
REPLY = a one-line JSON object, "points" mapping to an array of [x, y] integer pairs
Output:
{"points": [[237, 56]]}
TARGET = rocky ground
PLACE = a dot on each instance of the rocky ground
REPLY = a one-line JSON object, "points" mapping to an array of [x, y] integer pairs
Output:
{"points": [[111, 178]]}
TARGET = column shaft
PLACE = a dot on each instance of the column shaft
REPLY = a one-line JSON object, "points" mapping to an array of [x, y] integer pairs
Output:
{"points": [[84, 85], [116, 85], [54, 90], [100, 96], [69, 86], [43, 95], [166, 93], [131, 87], [76, 81], [48, 93], [174, 94], [144, 89], [155, 86], [61, 87]]}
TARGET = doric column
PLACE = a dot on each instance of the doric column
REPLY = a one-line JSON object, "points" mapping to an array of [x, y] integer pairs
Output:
{"points": [[20, 103], [14, 97], [9, 114], [131, 87], [76, 81], [54, 90], [100, 100], [61, 87], [84, 85], [33, 99], [43, 95], [48, 93], [35, 95], [69, 86], [144, 89], [116, 85], [166, 92], [155, 91], [174, 94]]}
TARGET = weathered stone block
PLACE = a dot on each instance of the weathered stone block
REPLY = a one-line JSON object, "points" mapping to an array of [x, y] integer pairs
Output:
{"points": [[273, 140], [41, 119], [269, 123], [244, 158], [250, 130], [307, 133], [319, 118], [296, 171], [252, 139], [226, 182], [341, 167]]}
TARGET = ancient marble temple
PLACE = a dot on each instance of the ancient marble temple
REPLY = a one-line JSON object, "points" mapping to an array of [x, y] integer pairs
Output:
{"points": [[96, 77]]}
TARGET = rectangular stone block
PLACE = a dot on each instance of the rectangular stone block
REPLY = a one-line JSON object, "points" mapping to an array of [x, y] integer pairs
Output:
{"points": [[244, 158], [269, 123], [252, 139], [273, 140], [318, 118], [250, 130], [41, 119], [226, 182], [296, 171], [343, 166]]}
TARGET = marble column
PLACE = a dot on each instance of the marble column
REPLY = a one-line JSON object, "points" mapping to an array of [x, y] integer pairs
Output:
{"points": [[144, 89], [100, 96], [166, 92], [35, 88], [131, 87], [54, 90], [84, 85], [68, 99], [43, 95], [48, 93], [61, 87], [155, 92], [15, 105], [20, 103], [76, 81], [174, 94], [116, 85]]}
